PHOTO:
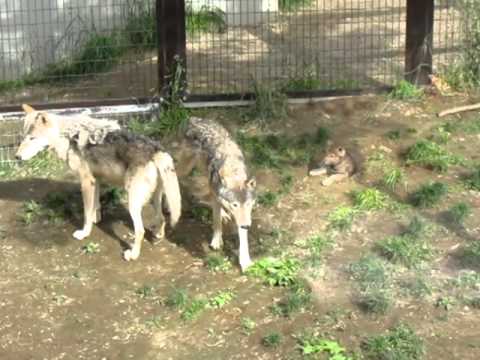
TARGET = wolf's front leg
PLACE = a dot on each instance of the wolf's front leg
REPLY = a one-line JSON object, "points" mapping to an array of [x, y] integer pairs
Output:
{"points": [[243, 252], [97, 216], [217, 240], [88, 185]]}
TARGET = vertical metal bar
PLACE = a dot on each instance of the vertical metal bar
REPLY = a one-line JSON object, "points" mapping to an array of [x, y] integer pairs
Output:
{"points": [[171, 37], [418, 61]]}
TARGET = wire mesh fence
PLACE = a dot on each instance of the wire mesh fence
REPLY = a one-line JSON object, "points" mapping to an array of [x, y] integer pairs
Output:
{"points": [[65, 50]]}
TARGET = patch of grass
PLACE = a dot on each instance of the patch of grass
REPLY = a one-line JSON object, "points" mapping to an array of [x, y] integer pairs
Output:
{"points": [[275, 272], [400, 343], [272, 339], [298, 297], [429, 194], [55, 208], [394, 176], [208, 19], [417, 287], [247, 325], [369, 272], [393, 135], [341, 218], [459, 212], [221, 299], [290, 5], [193, 309], [431, 155], [7, 169], [310, 344], [471, 254], [217, 263], [202, 214], [145, 291], [91, 248], [112, 197], [374, 301], [270, 104], [404, 90], [141, 29], [278, 151], [316, 246], [369, 199], [178, 298], [472, 181], [44, 165], [268, 198], [445, 302], [409, 248]]}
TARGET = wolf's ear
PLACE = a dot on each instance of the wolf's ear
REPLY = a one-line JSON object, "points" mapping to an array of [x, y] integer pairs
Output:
{"points": [[251, 183], [43, 117], [27, 108]]}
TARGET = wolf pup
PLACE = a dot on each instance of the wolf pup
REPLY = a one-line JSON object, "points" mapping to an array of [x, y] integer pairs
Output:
{"points": [[338, 164], [231, 191], [99, 149]]}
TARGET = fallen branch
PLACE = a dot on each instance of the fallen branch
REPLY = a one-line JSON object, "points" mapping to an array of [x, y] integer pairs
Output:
{"points": [[459, 109]]}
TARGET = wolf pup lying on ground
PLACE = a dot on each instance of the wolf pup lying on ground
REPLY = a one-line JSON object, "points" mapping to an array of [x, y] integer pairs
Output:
{"points": [[99, 149], [338, 164], [231, 192]]}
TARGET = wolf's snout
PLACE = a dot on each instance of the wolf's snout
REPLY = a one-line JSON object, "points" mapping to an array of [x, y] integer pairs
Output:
{"points": [[18, 157], [245, 227]]}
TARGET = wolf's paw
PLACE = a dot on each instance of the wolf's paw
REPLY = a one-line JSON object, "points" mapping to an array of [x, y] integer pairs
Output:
{"points": [[216, 243], [327, 182], [131, 254], [80, 234], [245, 264]]}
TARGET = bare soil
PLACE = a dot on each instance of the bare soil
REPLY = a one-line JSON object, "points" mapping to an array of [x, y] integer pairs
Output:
{"points": [[57, 302]]}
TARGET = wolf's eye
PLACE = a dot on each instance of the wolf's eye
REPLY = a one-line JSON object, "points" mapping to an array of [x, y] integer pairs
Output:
{"points": [[235, 205]]}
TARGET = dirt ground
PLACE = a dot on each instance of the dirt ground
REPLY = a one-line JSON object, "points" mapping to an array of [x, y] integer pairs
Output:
{"points": [[59, 301]]}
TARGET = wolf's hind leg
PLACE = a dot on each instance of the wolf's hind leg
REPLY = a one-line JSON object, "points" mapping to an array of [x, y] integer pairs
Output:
{"points": [[159, 227], [140, 187], [88, 185], [217, 240]]}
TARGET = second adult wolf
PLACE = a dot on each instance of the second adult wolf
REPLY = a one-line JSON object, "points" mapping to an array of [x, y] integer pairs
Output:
{"points": [[231, 191]]}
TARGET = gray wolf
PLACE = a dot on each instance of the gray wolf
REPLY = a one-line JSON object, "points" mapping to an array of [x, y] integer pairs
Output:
{"points": [[337, 164], [98, 149], [231, 192]]}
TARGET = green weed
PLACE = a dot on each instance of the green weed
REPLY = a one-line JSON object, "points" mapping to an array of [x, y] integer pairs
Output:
{"points": [[400, 343], [445, 302], [145, 291], [374, 301], [202, 214], [404, 90], [472, 181], [393, 135], [221, 299], [290, 5], [275, 272], [268, 198], [91, 248], [417, 287], [247, 325], [207, 19], [316, 246], [272, 339], [459, 212], [341, 218], [178, 298], [270, 104], [429, 194], [471, 254], [369, 199], [393, 177], [217, 263], [369, 272], [193, 309], [310, 344], [431, 155], [298, 297]]}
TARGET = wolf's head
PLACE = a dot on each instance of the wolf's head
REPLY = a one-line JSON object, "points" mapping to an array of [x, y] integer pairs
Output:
{"points": [[39, 131], [335, 157], [239, 202]]}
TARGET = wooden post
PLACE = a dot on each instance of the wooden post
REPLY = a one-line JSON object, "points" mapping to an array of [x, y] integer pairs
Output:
{"points": [[419, 43], [171, 37]]}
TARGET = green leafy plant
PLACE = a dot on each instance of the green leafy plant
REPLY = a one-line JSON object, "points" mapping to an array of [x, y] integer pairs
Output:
{"points": [[459, 212], [312, 344], [208, 19], [217, 263], [272, 339], [431, 155], [399, 343], [429, 194], [221, 299], [270, 104], [298, 297], [91, 248], [404, 90], [290, 5], [370, 199], [341, 218], [275, 272]]}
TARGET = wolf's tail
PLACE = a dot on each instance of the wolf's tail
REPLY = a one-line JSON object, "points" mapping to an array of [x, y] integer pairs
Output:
{"points": [[166, 169]]}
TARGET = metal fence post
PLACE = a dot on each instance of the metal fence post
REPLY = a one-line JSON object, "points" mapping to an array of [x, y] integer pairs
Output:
{"points": [[419, 41], [171, 37]]}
